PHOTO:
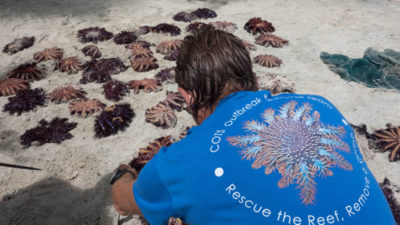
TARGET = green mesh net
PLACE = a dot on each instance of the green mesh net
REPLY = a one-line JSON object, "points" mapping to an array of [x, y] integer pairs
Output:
{"points": [[375, 69]]}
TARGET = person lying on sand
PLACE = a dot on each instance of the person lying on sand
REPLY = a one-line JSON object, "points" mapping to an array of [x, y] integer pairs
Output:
{"points": [[254, 158]]}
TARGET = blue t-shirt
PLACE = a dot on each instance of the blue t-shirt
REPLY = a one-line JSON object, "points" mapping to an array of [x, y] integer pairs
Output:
{"points": [[262, 159]]}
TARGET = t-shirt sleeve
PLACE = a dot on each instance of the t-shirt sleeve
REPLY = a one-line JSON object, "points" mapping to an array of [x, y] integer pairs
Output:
{"points": [[152, 196]]}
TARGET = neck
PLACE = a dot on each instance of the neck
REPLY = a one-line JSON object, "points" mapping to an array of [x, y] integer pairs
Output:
{"points": [[203, 114]]}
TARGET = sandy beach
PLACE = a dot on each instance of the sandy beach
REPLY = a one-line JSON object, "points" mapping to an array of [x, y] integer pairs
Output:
{"points": [[72, 187]]}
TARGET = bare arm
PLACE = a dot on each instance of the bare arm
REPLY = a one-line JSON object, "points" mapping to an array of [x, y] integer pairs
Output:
{"points": [[122, 193]]}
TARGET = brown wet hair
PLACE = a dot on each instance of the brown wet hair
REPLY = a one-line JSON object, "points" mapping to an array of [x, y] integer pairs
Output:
{"points": [[211, 65]]}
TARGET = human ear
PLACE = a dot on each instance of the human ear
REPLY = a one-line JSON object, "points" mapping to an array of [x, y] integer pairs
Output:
{"points": [[186, 96]]}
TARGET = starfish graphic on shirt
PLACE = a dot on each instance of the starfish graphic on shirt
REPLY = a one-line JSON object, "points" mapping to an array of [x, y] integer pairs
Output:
{"points": [[297, 144]]}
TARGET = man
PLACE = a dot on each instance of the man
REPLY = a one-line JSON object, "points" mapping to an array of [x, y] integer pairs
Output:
{"points": [[253, 158]]}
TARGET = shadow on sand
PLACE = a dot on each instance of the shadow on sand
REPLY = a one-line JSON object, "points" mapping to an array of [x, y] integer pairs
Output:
{"points": [[55, 201]]}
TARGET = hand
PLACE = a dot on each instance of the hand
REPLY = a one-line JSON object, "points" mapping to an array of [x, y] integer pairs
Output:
{"points": [[121, 192]]}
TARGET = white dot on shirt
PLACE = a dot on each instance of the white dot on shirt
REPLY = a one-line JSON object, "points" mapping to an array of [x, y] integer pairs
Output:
{"points": [[344, 121], [219, 172]]}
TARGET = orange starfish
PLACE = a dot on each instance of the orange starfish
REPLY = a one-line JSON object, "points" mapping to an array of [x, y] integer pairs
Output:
{"points": [[391, 139]]}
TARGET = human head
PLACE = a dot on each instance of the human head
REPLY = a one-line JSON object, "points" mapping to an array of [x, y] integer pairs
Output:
{"points": [[211, 65]]}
